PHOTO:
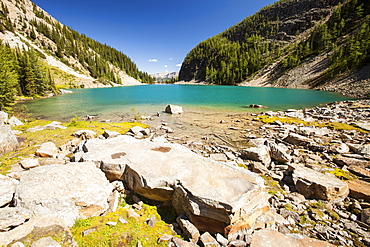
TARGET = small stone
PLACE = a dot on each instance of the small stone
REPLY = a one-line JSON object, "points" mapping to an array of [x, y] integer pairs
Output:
{"points": [[164, 238], [111, 223], [88, 231], [122, 220], [133, 214], [151, 221], [29, 163], [47, 149], [221, 239], [208, 241]]}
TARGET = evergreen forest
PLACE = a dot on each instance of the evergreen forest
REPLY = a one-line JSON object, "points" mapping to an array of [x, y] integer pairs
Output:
{"points": [[264, 38]]}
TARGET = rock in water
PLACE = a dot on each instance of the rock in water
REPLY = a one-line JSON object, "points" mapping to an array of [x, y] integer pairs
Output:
{"points": [[313, 184], [174, 109], [68, 192], [8, 141], [208, 192]]}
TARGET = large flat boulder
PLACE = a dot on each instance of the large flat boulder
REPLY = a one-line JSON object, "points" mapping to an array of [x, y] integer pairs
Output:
{"points": [[208, 192], [68, 192], [316, 185], [8, 141]]}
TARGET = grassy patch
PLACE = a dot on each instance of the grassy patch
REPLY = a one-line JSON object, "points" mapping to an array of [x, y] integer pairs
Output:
{"points": [[290, 120], [122, 234], [342, 174], [272, 185], [32, 140]]}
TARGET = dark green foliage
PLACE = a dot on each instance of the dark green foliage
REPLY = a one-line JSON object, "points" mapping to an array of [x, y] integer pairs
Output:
{"points": [[8, 77], [94, 56], [35, 78], [263, 38], [22, 73]]}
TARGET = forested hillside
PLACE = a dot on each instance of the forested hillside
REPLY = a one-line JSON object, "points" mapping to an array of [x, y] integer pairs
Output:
{"points": [[283, 36], [38, 52]]}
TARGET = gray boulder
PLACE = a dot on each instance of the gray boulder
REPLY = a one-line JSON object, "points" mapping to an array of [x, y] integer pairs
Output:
{"points": [[68, 192], [206, 191], [313, 184], [8, 141], [174, 109], [7, 189]]}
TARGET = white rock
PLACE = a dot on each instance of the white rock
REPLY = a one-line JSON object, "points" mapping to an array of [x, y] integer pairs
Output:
{"points": [[174, 109], [29, 163], [8, 141], [7, 189], [13, 121], [47, 149], [68, 192]]}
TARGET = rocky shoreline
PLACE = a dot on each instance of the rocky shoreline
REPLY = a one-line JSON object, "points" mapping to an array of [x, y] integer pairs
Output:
{"points": [[284, 178]]}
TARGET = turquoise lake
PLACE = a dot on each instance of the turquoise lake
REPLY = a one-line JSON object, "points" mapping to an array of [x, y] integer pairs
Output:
{"points": [[149, 99]]}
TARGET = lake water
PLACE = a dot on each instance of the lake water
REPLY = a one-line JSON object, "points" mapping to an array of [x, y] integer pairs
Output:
{"points": [[149, 99]]}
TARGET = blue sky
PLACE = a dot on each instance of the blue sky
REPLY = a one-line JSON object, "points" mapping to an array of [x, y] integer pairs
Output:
{"points": [[155, 34]]}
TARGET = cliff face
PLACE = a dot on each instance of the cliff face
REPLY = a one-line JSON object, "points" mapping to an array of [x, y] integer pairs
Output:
{"points": [[297, 44], [85, 62]]}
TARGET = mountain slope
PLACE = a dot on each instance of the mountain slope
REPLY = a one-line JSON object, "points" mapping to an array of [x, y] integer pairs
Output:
{"points": [[299, 44], [87, 62]]}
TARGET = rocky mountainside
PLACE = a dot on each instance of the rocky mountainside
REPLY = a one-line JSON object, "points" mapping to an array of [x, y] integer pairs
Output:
{"points": [[320, 44], [165, 75], [74, 59]]}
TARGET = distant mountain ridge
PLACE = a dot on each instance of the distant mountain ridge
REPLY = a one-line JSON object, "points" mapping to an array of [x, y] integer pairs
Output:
{"points": [[321, 44], [87, 62], [165, 75]]}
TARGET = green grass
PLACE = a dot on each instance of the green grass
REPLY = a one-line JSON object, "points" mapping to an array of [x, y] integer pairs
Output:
{"points": [[58, 136], [290, 120], [122, 234]]}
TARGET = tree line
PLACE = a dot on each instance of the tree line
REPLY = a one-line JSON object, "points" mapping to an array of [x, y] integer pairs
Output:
{"points": [[22, 73]]}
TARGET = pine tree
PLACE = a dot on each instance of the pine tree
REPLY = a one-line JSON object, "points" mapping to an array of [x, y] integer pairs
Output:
{"points": [[8, 78]]}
